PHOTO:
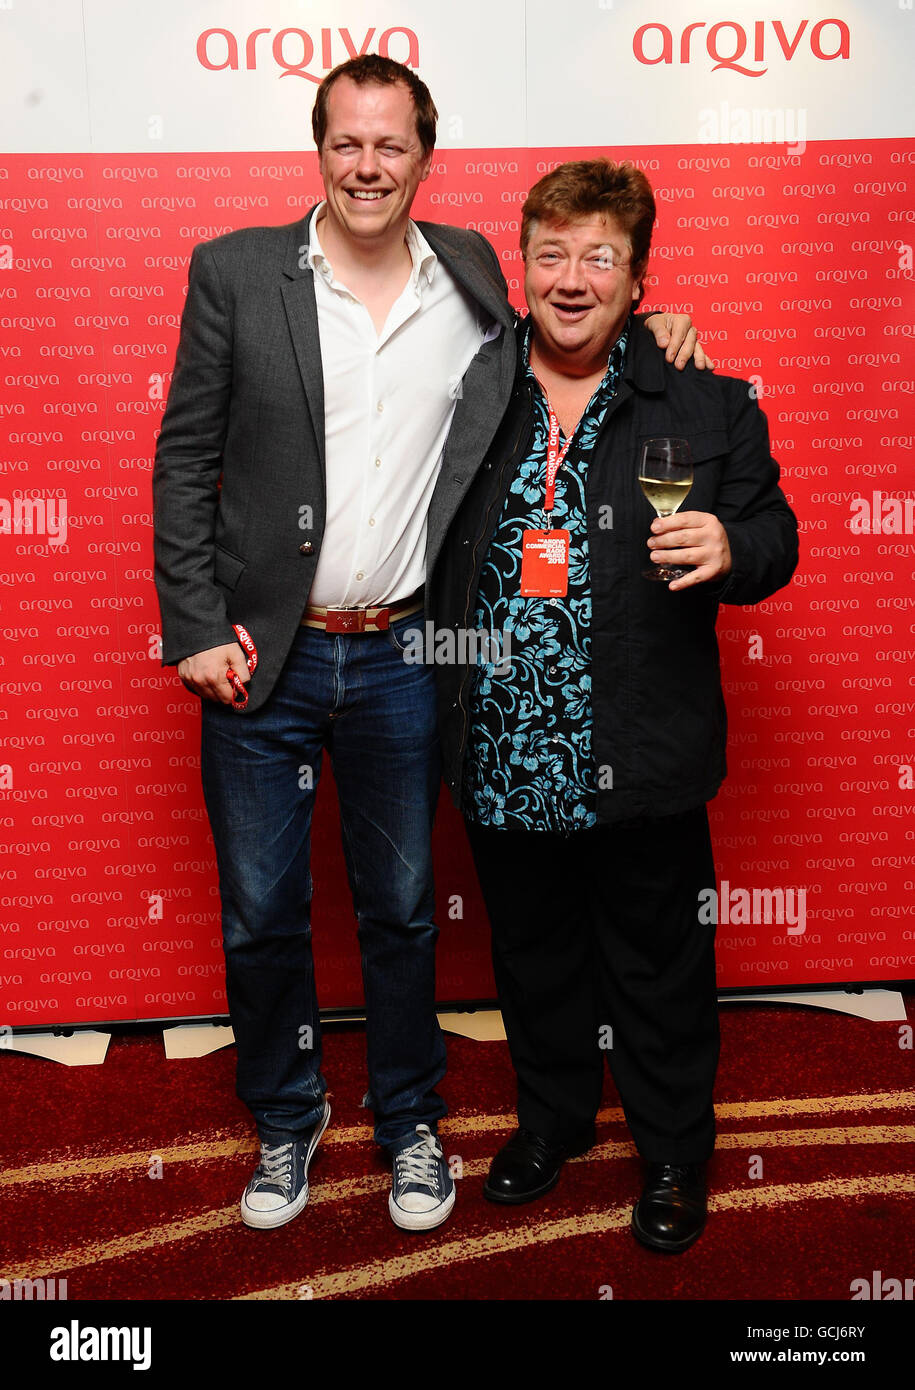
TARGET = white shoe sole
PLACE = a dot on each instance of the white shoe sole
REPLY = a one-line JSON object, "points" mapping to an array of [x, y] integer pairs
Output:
{"points": [[269, 1220], [421, 1220]]}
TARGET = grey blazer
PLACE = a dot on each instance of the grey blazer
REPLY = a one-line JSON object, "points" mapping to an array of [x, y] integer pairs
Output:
{"points": [[238, 482]]}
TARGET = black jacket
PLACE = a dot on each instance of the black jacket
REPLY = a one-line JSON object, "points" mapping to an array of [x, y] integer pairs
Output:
{"points": [[660, 725]]}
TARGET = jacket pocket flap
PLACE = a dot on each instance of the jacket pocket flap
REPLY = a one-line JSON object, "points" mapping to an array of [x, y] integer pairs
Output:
{"points": [[707, 444], [704, 443], [228, 568]]}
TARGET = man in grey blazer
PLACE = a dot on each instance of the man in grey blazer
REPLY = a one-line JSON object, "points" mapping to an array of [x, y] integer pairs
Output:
{"points": [[336, 385]]}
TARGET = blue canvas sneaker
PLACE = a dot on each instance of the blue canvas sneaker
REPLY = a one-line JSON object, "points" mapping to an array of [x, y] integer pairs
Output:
{"points": [[422, 1189], [278, 1189]]}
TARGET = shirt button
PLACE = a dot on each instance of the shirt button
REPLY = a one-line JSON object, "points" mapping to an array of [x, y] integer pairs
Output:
{"points": [[378, 463], [306, 548], [554, 739], [371, 521], [552, 603], [552, 670], [359, 574], [380, 406]]}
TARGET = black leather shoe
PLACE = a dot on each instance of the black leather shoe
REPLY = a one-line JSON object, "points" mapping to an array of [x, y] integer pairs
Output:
{"points": [[671, 1212], [527, 1167]]}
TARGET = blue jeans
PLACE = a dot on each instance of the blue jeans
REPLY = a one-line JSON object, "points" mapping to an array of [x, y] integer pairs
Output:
{"points": [[375, 715]]}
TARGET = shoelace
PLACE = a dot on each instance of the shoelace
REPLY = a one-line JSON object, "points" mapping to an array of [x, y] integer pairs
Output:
{"points": [[276, 1162], [528, 1138], [675, 1172], [419, 1163]]}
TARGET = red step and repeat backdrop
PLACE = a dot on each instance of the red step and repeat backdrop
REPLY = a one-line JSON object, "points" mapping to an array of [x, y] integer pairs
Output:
{"points": [[778, 155]]}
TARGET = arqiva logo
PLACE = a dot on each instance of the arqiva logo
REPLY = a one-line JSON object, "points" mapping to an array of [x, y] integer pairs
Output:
{"points": [[293, 50], [768, 37]]}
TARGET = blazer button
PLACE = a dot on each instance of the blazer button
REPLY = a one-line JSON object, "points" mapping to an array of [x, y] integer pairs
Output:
{"points": [[306, 548]]}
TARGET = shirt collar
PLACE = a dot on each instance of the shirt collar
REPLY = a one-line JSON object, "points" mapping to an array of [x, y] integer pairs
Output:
{"points": [[614, 360], [421, 254]]}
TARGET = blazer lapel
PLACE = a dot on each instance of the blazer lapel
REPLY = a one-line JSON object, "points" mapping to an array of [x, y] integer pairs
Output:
{"points": [[302, 315], [474, 278], [487, 388]]}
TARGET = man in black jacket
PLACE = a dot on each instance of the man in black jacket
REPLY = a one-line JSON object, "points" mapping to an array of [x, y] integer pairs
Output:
{"points": [[583, 753]]}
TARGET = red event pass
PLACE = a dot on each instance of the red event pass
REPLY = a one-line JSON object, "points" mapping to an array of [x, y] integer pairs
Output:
{"points": [[544, 564]]}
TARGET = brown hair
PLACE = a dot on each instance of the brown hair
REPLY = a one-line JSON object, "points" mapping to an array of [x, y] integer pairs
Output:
{"points": [[583, 187], [371, 67]]}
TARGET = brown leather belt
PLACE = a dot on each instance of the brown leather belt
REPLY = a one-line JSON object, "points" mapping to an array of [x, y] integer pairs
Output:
{"points": [[353, 620]]}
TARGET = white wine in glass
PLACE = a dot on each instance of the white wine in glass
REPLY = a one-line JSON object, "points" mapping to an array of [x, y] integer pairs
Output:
{"points": [[665, 476]]}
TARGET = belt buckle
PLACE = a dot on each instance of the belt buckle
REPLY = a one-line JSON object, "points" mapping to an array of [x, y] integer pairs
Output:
{"points": [[345, 620]]}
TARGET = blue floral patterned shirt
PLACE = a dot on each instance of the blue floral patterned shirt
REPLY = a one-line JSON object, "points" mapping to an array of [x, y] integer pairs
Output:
{"points": [[529, 763]]}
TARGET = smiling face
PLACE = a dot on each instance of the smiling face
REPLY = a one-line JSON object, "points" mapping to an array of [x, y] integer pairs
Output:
{"points": [[580, 288], [371, 161]]}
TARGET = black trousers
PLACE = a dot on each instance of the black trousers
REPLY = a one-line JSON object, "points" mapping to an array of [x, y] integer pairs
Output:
{"points": [[598, 952]]}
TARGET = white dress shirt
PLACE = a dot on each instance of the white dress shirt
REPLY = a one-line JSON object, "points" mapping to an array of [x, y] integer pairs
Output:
{"points": [[388, 402]]}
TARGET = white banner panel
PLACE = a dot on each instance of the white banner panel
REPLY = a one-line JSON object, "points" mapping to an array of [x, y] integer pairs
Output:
{"points": [[620, 72], [218, 75], [44, 102]]}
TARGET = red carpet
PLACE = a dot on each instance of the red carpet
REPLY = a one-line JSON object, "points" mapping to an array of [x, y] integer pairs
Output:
{"points": [[820, 1105]]}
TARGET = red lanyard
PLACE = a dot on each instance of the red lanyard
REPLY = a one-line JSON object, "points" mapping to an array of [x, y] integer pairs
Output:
{"points": [[554, 457], [246, 642]]}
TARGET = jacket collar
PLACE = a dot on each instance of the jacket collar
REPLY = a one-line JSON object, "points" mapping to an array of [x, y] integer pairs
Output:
{"points": [[645, 363], [479, 282], [295, 261]]}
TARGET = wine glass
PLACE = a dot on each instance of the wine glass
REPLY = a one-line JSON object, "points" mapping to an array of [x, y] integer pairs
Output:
{"points": [[666, 476]]}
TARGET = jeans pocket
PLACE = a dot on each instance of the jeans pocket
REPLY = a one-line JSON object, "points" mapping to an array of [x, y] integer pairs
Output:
{"points": [[406, 636]]}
